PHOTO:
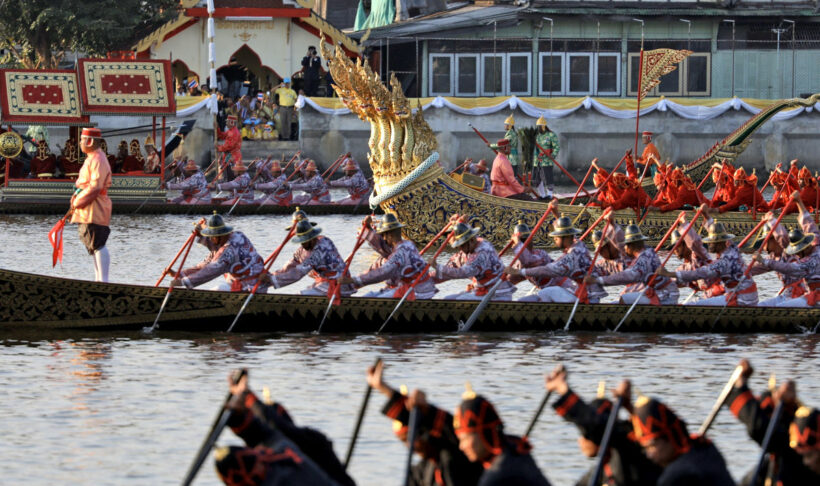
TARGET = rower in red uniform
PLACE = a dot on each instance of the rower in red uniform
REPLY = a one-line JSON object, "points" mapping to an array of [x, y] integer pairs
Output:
{"points": [[502, 174], [808, 188], [746, 194], [232, 139], [790, 180], [44, 164], [631, 194], [722, 175], [683, 192], [666, 190], [606, 195]]}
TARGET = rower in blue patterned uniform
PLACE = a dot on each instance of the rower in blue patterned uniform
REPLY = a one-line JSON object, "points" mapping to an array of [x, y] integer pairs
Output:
{"points": [[476, 259], [529, 258], [399, 268], [637, 275], [354, 181], [231, 254]]}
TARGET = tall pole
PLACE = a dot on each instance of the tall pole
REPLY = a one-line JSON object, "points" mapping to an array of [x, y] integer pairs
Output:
{"points": [[640, 80], [212, 85], [793, 29], [733, 54]]}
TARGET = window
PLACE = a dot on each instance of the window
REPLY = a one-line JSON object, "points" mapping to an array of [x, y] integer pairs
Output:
{"points": [[441, 74], [607, 74], [579, 73], [493, 75], [551, 74], [691, 78], [467, 75], [518, 74]]}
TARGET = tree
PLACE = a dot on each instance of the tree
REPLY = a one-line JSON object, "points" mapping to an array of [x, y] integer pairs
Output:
{"points": [[37, 33]]}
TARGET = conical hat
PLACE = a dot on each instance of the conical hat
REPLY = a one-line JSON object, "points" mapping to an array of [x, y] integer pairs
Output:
{"points": [[541, 122], [510, 120]]}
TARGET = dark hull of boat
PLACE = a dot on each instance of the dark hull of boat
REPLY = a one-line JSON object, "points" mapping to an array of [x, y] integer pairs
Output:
{"points": [[36, 302]]}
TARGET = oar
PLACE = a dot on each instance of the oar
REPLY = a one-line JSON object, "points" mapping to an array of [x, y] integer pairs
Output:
{"points": [[462, 166], [538, 413], [724, 394], [582, 288], [359, 419], [595, 480], [296, 170], [287, 166], [359, 241], [583, 181], [187, 247], [335, 166], [702, 181], [482, 137], [603, 185], [764, 446], [424, 271], [466, 326], [455, 218], [671, 252], [543, 151], [748, 270], [412, 431], [250, 184], [268, 263], [219, 423]]}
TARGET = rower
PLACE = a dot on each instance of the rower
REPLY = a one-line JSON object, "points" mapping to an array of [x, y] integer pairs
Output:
{"points": [[728, 267], [693, 255], [399, 269], [480, 169], [808, 188], [275, 191], [568, 269], [804, 437], [746, 194], [722, 175], [636, 277], [630, 193], [755, 413], [610, 193], [354, 181], [504, 183], [625, 462], [610, 248], [481, 437], [231, 254], [313, 185], [685, 459], [531, 257], [806, 268], [650, 151], [44, 164], [240, 186], [194, 187], [273, 455], [666, 191], [317, 256], [776, 249], [477, 259], [511, 135], [682, 193], [442, 461], [542, 163]]}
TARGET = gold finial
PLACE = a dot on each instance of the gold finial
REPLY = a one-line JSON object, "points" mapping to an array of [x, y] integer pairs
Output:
{"points": [[403, 389], [641, 401], [772, 382], [266, 396], [802, 412], [468, 394], [601, 389]]}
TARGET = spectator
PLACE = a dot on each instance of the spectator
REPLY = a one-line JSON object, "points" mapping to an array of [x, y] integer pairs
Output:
{"points": [[311, 64], [287, 99]]}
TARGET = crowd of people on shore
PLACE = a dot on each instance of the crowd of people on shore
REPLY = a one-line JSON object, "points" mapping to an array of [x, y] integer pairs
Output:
{"points": [[471, 446]]}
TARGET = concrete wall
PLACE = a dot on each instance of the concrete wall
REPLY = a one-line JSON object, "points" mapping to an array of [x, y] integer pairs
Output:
{"points": [[584, 135]]}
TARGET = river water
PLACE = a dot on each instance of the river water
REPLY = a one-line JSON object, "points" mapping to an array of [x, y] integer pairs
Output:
{"points": [[126, 408]]}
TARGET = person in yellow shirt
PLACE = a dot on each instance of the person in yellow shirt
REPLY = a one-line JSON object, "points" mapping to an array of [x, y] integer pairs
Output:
{"points": [[287, 98], [90, 205]]}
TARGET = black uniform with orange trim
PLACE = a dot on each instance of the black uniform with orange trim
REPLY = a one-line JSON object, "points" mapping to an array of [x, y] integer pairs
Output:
{"points": [[625, 463], [270, 458], [444, 464], [787, 469], [509, 461], [311, 441], [698, 462]]}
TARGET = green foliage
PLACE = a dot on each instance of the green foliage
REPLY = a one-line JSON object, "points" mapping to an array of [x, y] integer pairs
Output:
{"points": [[527, 138], [38, 32]]}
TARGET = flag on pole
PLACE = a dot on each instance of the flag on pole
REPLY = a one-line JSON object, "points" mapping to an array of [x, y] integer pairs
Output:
{"points": [[655, 64], [55, 236]]}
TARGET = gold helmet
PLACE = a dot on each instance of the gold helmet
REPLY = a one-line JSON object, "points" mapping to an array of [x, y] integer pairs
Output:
{"points": [[541, 122], [510, 120], [149, 141]]}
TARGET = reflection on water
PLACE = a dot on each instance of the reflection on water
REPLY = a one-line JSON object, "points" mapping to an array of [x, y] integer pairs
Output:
{"points": [[126, 409]]}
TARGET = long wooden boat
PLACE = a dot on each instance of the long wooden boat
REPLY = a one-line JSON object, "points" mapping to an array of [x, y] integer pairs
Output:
{"points": [[32, 302]]}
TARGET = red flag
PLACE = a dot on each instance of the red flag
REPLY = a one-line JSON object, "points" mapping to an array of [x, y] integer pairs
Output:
{"points": [[55, 236]]}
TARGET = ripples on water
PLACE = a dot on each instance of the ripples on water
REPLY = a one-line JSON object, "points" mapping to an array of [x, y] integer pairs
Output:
{"points": [[127, 409]]}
